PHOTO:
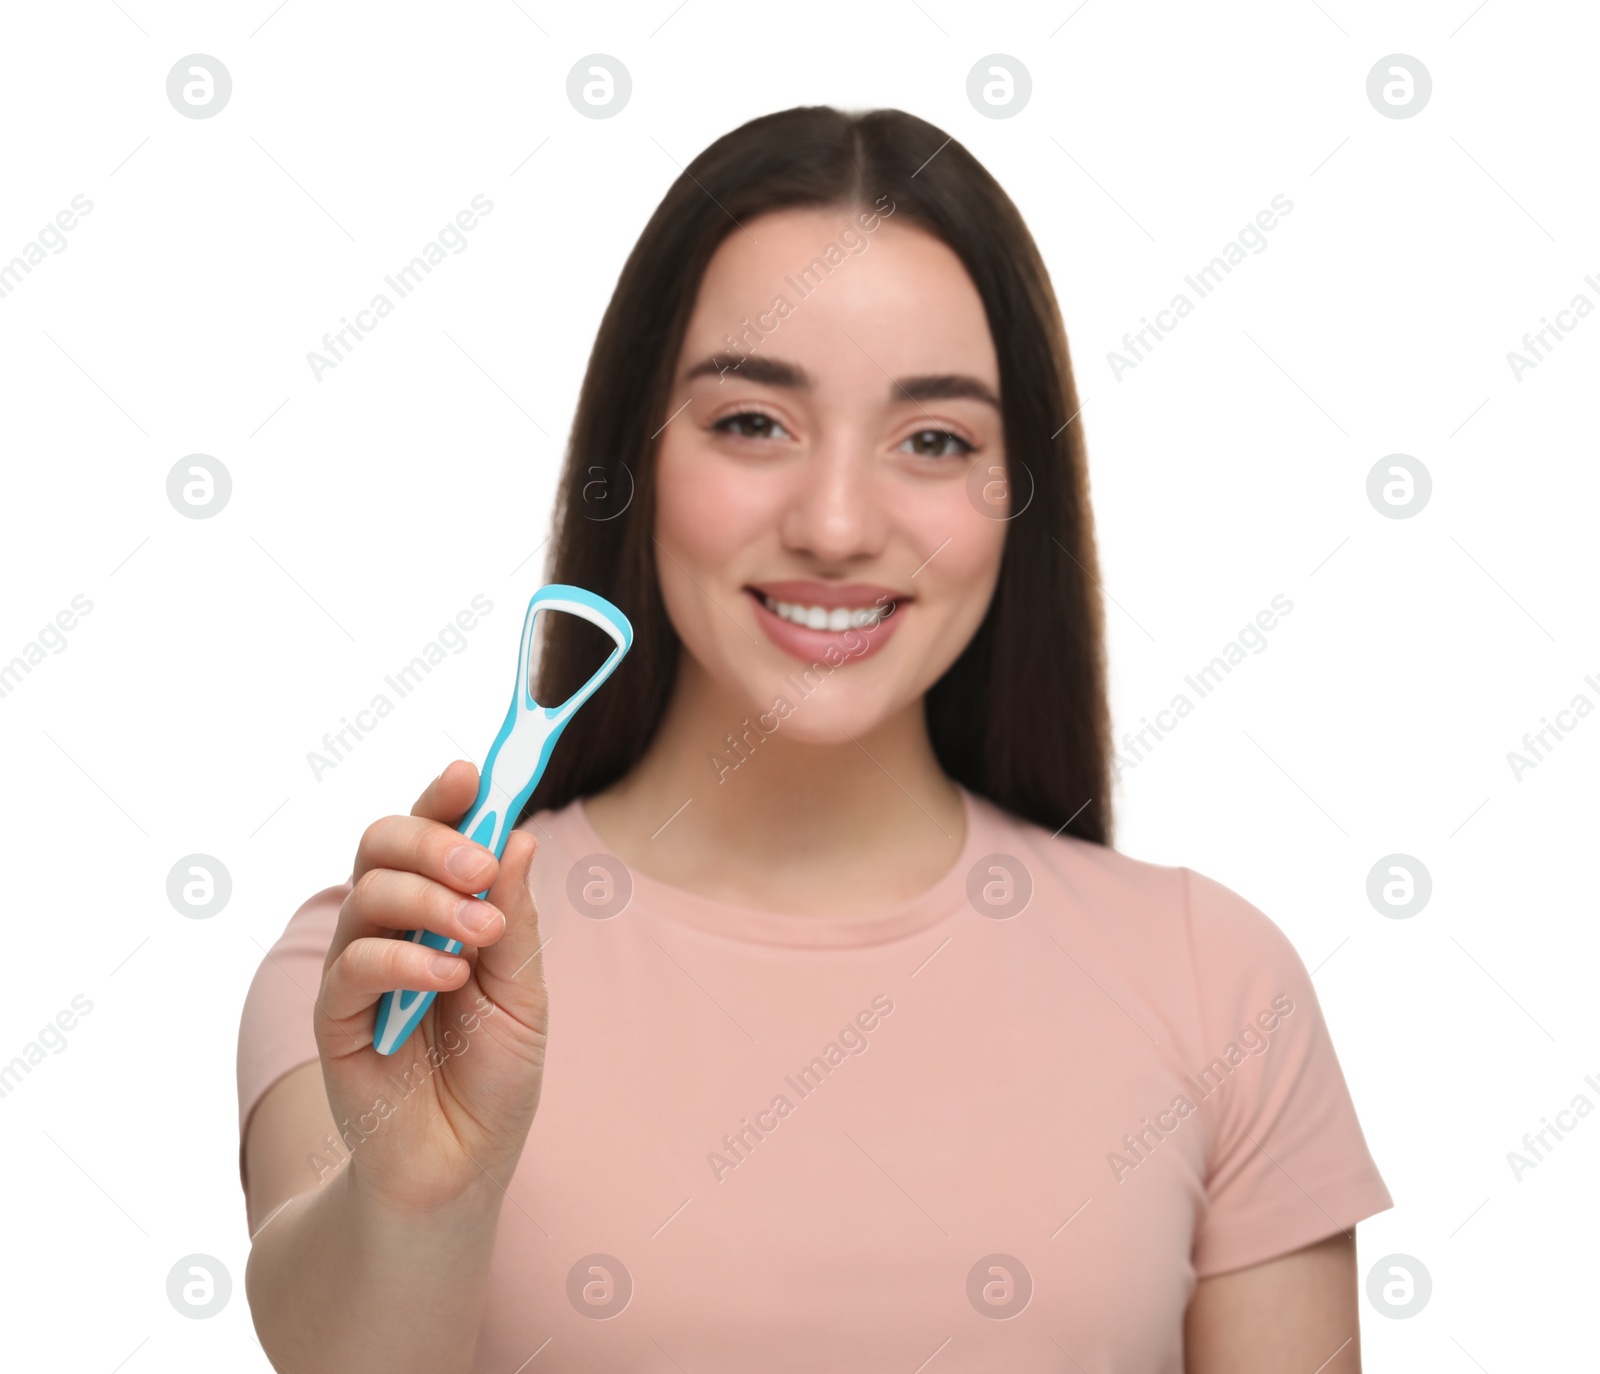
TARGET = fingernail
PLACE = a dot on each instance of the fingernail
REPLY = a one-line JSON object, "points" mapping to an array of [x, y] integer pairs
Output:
{"points": [[467, 863], [442, 965], [478, 917]]}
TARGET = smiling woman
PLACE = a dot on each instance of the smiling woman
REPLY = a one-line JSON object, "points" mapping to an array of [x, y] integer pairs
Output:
{"points": [[879, 519]]}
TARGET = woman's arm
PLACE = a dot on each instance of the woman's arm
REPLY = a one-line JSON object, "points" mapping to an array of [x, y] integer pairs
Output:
{"points": [[339, 1280], [1296, 1312], [371, 1245]]}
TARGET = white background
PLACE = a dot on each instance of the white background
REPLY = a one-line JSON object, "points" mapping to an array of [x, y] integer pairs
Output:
{"points": [[370, 506]]}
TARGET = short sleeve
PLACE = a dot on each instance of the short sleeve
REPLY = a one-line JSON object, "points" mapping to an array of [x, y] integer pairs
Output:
{"points": [[275, 1026], [1287, 1163]]}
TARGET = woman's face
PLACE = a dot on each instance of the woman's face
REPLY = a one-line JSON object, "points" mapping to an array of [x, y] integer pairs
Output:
{"points": [[815, 469]]}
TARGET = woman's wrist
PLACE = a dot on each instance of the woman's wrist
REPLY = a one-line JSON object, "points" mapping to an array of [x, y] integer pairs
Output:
{"points": [[475, 1204]]}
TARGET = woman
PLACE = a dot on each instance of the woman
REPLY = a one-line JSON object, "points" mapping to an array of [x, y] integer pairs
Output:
{"points": [[865, 1049]]}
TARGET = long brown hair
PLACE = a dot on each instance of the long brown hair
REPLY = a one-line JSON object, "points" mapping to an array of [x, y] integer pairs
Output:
{"points": [[1021, 716]]}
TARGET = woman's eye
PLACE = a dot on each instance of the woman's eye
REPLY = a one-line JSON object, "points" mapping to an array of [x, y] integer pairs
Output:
{"points": [[751, 424], [934, 443]]}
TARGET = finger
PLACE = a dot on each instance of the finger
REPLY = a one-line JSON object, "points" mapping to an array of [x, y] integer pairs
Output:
{"points": [[387, 899], [449, 795], [511, 971], [434, 849], [368, 968]]}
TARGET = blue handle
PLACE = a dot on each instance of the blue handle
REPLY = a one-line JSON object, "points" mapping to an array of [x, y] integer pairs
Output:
{"points": [[516, 761]]}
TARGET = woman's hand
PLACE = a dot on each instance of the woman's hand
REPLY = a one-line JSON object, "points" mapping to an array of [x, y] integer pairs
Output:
{"points": [[448, 1112]]}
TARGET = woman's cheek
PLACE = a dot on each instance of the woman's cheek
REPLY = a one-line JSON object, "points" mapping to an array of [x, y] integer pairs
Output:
{"points": [[968, 568], [973, 543], [710, 511]]}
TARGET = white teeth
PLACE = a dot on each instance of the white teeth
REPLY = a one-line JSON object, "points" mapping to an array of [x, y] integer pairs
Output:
{"points": [[821, 618]]}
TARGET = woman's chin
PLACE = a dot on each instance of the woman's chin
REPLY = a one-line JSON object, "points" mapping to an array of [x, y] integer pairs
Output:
{"points": [[804, 707]]}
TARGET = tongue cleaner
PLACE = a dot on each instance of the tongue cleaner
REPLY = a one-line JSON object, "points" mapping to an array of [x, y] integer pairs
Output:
{"points": [[516, 762]]}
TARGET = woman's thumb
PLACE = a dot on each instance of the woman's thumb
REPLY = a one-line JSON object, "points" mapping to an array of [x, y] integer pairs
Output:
{"points": [[511, 971]]}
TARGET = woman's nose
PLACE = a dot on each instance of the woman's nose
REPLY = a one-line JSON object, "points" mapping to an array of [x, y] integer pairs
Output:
{"points": [[835, 507]]}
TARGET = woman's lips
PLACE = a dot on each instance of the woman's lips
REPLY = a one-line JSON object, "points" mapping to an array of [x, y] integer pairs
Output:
{"points": [[818, 645]]}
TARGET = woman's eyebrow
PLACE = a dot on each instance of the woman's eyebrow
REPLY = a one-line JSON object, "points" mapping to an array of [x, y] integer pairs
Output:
{"points": [[753, 368], [945, 387], [775, 372]]}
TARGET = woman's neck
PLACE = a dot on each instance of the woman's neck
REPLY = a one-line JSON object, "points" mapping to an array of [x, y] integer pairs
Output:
{"points": [[775, 822]]}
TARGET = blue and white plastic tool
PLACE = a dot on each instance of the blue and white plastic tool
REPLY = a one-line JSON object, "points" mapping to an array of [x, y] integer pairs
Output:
{"points": [[516, 762]]}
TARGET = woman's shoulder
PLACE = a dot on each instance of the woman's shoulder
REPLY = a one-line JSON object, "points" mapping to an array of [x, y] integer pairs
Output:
{"points": [[312, 923], [1147, 906], [1098, 874]]}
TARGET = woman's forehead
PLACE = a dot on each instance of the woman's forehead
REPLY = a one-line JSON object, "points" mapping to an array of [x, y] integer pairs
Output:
{"points": [[818, 288]]}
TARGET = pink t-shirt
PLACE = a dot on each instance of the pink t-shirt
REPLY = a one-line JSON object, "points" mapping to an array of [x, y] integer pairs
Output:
{"points": [[1006, 1123]]}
